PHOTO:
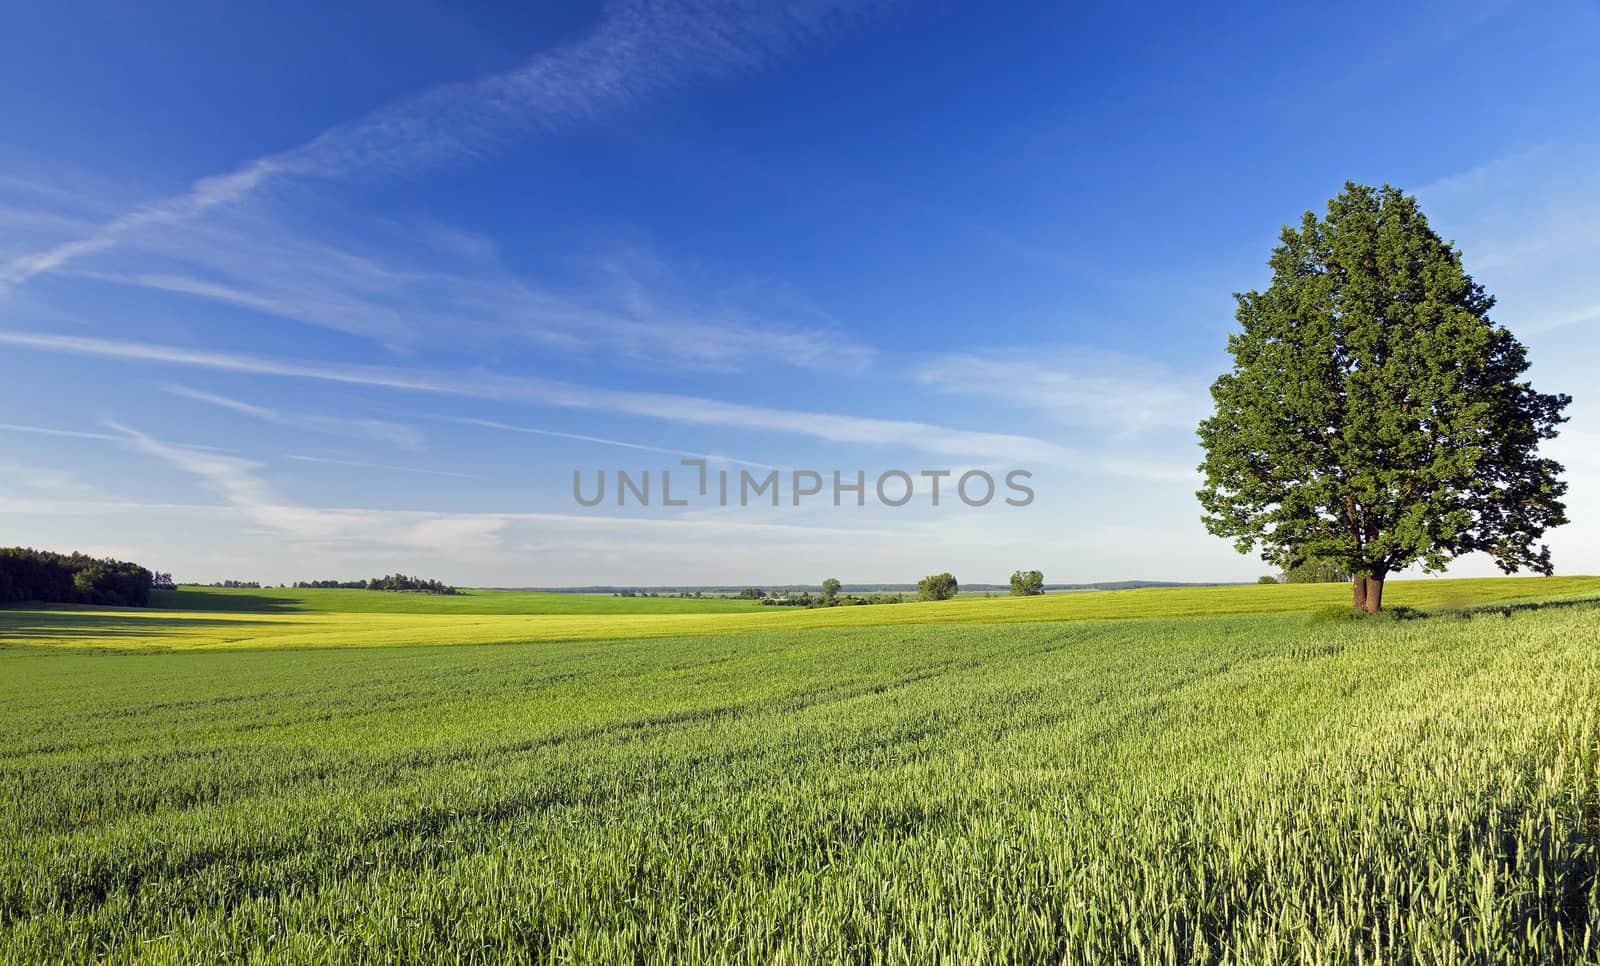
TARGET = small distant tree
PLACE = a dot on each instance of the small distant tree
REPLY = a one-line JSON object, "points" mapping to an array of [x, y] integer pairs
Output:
{"points": [[1027, 583], [1266, 579], [1375, 415], [937, 587], [830, 589], [751, 593]]}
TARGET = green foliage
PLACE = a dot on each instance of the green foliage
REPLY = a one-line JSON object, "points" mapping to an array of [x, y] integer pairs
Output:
{"points": [[390, 582], [751, 593], [1027, 583], [1266, 579], [937, 587], [1375, 416], [42, 576], [1228, 789], [830, 589], [403, 582], [1317, 572], [801, 598]]}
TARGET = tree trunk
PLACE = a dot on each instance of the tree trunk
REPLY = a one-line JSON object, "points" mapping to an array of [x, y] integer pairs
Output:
{"points": [[1358, 586], [1374, 595]]}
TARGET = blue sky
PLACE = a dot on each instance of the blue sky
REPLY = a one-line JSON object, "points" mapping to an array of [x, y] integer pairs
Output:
{"points": [[295, 292]]}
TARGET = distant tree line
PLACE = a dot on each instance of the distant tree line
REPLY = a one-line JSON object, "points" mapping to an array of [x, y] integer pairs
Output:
{"points": [[1024, 583], [390, 582], [1316, 572], [235, 584], [39, 575], [805, 598], [830, 597]]}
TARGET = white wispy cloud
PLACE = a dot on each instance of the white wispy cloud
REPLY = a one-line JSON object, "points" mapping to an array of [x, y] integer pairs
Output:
{"points": [[604, 441], [238, 482], [228, 241], [639, 48], [85, 434], [1528, 225], [1078, 387], [48, 480], [474, 536], [387, 467], [409, 285], [688, 410], [683, 525], [51, 431], [375, 429]]}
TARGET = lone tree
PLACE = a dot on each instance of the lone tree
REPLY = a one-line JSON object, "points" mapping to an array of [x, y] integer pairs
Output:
{"points": [[830, 589], [937, 587], [1375, 417], [1027, 583]]}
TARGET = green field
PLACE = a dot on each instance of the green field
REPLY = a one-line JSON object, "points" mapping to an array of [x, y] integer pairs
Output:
{"points": [[1151, 775], [329, 618], [471, 601]]}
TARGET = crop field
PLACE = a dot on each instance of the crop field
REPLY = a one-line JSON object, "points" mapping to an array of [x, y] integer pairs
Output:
{"points": [[473, 601], [212, 619], [1188, 775]]}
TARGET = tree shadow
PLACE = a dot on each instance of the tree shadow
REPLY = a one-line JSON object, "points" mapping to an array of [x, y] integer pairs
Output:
{"points": [[187, 598], [23, 625], [1507, 609], [1341, 613]]}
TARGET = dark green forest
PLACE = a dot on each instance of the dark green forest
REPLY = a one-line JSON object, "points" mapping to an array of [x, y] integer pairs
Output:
{"points": [[40, 575]]}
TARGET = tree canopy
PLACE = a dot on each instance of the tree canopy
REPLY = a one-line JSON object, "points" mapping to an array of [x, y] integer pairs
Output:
{"points": [[1027, 583], [1375, 416], [39, 575], [937, 587]]}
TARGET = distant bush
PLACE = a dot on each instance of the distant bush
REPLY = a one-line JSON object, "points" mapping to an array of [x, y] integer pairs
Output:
{"points": [[40, 575], [1266, 579]]}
